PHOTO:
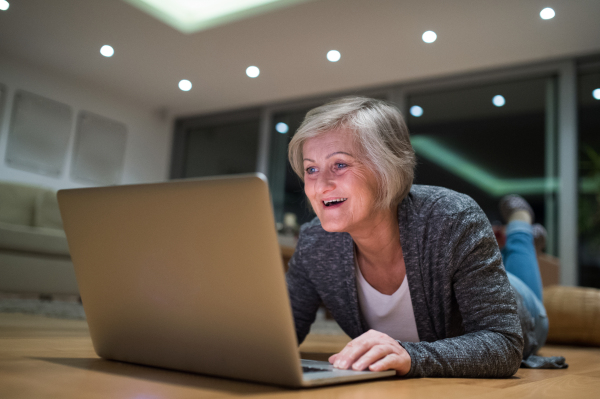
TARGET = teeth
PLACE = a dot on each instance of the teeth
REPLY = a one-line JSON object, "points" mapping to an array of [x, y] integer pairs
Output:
{"points": [[335, 200]]}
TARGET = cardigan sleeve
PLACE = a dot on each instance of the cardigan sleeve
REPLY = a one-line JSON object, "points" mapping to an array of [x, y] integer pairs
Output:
{"points": [[304, 298], [469, 260]]}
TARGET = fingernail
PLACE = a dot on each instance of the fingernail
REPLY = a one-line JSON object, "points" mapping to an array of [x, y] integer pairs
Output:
{"points": [[343, 365]]}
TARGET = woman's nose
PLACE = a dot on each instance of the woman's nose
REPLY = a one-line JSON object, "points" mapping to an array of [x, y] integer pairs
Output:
{"points": [[325, 182]]}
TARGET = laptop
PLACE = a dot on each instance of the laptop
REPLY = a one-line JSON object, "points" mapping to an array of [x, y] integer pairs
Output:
{"points": [[188, 275]]}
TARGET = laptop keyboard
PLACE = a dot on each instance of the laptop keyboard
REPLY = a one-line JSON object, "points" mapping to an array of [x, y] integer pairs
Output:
{"points": [[311, 369]]}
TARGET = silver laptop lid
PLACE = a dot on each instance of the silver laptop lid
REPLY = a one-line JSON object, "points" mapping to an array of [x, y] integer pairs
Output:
{"points": [[184, 275]]}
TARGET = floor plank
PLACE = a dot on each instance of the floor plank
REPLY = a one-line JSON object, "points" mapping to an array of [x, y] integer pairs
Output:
{"points": [[566, 386], [42, 357]]}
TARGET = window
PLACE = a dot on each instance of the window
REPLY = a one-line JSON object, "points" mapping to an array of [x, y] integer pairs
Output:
{"points": [[217, 145], [589, 178], [286, 187], [488, 141]]}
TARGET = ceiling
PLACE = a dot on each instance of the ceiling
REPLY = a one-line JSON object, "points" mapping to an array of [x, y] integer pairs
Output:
{"points": [[379, 40]]}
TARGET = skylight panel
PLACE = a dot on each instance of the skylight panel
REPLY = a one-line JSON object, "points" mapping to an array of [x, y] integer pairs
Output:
{"points": [[189, 16]]}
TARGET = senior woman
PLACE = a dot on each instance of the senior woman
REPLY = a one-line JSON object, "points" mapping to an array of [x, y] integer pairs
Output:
{"points": [[412, 273]]}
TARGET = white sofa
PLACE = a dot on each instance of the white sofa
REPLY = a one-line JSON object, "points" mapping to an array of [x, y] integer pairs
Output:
{"points": [[34, 255]]}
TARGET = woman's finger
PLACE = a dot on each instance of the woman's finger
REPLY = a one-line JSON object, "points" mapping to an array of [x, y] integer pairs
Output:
{"points": [[391, 361], [401, 362], [373, 355], [354, 350]]}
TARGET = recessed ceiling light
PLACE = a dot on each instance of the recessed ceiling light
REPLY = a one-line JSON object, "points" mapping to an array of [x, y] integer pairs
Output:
{"points": [[4, 5], [282, 127], [334, 56], [429, 36], [252, 71], [185, 85], [547, 13], [498, 101], [416, 111], [107, 51], [596, 94]]}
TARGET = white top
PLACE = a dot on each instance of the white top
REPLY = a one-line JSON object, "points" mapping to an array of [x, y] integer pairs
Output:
{"points": [[390, 314]]}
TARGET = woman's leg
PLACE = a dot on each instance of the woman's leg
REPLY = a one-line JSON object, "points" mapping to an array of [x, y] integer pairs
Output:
{"points": [[521, 264], [519, 256], [523, 273], [536, 309]]}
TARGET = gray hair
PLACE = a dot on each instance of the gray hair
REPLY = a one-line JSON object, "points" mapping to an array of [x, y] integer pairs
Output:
{"points": [[380, 133]]}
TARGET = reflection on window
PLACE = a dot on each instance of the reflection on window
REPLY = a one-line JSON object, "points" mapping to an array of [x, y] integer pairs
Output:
{"points": [[589, 179], [286, 187], [222, 149], [2, 101], [489, 141]]}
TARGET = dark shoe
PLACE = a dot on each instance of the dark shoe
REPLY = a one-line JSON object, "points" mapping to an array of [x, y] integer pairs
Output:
{"points": [[539, 237], [512, 203]]}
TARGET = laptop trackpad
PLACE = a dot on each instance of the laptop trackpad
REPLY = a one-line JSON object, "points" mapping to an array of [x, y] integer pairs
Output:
{"points": [[312, 367]]}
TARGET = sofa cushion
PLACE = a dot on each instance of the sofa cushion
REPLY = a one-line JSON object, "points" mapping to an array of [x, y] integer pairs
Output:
{"points": [[573, 315], [40, 240], [46, 212], [17, 202]]}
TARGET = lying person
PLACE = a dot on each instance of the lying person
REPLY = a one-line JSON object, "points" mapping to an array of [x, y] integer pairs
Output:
{"points": [[412, 273]]}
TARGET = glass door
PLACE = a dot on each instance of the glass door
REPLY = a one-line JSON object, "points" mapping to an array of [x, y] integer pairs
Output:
{"points": [[589, 178], [488, 141]]}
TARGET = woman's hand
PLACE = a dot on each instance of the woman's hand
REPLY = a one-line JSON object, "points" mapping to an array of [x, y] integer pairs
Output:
{"points": [[373, 350]]}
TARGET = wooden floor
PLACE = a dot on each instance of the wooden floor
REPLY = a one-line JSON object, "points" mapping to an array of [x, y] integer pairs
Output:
{"points": [[51, 358]]}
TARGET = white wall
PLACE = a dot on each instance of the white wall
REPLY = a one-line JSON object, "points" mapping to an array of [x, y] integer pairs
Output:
{"points": [[149, 136]]}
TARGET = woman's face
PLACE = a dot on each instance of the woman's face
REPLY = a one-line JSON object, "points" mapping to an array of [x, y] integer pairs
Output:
{"points": [[341, 189]]}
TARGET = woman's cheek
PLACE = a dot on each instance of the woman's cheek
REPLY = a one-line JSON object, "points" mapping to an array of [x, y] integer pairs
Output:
{"points": [[308, 186], [309, 191]]}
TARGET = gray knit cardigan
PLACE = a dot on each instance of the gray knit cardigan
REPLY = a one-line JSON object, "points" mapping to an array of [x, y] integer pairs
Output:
{"points": [[464, 306]]}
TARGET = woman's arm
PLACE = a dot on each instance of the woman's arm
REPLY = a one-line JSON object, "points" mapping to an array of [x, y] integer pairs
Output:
{"points": [[492, 343], [304, 298]]}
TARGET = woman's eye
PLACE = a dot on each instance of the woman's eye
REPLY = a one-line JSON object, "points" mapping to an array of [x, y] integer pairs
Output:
{"points": [[311, 170], [340, 165]]}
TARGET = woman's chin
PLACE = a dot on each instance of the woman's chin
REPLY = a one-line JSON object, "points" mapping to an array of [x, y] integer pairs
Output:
{"points": [[333, 227]]}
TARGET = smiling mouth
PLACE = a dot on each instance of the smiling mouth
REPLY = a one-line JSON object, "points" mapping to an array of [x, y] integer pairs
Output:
{"points": [[335, 201]]}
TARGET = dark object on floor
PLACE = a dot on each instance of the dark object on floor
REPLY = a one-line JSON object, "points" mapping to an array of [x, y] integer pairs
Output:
{"points": [[541, 362]]}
